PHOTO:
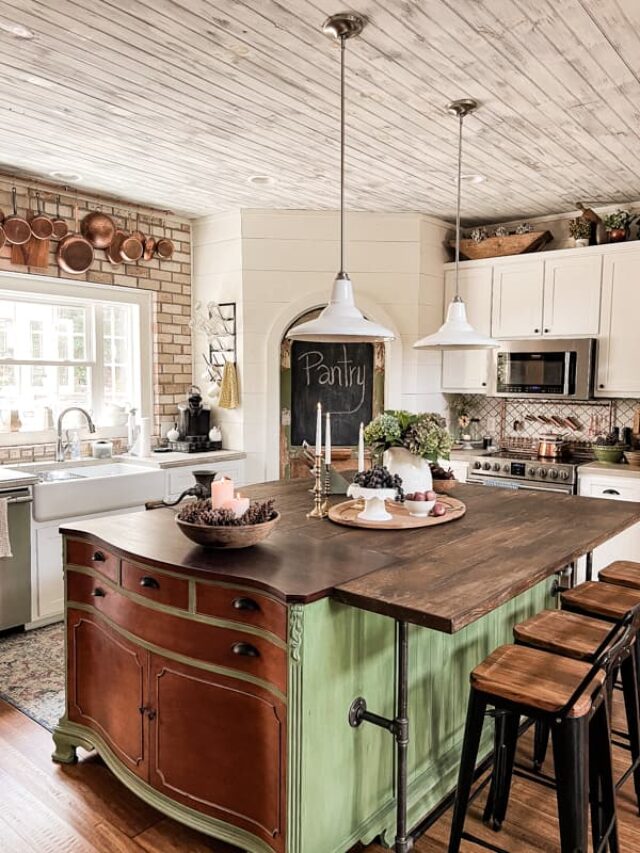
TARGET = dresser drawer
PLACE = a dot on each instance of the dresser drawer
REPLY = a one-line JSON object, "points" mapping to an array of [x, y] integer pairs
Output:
{"points": [[155, 586], [237, 605], [226, 647], [94, 557]]}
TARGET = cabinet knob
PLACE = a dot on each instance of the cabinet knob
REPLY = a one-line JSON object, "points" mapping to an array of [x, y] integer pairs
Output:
{"points": [[546, 331], [149, 583], [245, 604], [99, 557], [151, 714], [484, 384], [600, 386], [98, 592], [536, 331], [245, 650]]}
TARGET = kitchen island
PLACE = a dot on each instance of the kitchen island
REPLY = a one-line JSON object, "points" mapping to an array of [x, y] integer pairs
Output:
{"points": [[218, 685]]}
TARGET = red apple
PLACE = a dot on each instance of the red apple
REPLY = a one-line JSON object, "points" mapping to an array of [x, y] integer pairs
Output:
{"points": [[419, 496], [438, 510], [431, 495]]}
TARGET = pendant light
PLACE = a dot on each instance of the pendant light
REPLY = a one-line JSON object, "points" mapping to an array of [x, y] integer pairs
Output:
{"points": [[457, 333], [341, 321]]}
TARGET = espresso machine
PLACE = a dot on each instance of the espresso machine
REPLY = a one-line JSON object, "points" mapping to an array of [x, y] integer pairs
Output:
{"points": [[194, 423]]}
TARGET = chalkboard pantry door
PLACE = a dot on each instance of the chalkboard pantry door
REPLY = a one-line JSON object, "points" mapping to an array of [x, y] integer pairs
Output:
{"points": [[348, 379]]}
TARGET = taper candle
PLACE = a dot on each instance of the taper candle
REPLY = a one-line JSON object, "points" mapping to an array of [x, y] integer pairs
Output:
{"points": [[361, 448], [327, 439], [319, 431]]}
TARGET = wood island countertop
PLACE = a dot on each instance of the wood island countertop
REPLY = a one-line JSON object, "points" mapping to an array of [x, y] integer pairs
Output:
{"points": [[442, 577]]}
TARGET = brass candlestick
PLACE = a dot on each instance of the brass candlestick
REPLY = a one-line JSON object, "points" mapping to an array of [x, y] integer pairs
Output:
{"points": [[319, 502]]}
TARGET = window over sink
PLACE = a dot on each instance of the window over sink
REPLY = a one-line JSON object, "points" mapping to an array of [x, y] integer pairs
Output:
{"points": [[71, 345]]}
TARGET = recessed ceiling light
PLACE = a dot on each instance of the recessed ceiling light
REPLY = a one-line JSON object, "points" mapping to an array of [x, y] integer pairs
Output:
{"points": [[66, 177], [473, 179], [261, 180], [19, 31]]}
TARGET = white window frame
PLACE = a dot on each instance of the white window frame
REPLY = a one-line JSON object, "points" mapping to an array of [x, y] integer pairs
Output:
{"points": [[45, 287]]}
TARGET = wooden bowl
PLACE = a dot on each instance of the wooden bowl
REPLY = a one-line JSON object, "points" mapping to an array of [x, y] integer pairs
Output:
{"points": [[443, 487], [633, 458], [227, 536]]}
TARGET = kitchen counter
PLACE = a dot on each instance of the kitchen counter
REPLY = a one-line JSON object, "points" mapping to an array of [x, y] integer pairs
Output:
{"points": [[617, 469], [13, 478], [174, 459]]}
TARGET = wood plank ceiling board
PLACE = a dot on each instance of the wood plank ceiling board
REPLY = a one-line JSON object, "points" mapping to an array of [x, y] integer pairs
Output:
{"points": [[176, 103]]}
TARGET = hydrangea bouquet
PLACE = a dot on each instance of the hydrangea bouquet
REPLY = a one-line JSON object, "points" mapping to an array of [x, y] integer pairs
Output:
{"points": [[424, 434]]}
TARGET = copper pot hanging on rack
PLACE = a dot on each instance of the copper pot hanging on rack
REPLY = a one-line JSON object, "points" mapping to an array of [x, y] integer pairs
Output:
{"points": [[75, 252], [60, 227], [131, 249], [41, 225], [17, 230], [3, 236], [138, 234], [98, 228], [164, 246]]}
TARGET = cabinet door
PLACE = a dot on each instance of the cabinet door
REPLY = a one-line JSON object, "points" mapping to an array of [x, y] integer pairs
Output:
{"points": [[572, 296], [107, 685], [47, 593], [468, 371], [517, 299], [617, 371], [218, 745]]}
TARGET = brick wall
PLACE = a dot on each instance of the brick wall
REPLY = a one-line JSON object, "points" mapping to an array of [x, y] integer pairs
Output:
{"points": [[169, 282]]}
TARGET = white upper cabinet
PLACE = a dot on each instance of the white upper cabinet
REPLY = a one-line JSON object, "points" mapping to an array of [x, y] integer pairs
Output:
{"points": [[572, 296], [517, 299], [467, 372], [618, 373]]}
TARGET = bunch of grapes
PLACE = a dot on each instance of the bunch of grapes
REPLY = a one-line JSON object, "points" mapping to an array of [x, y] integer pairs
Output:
{"points": [[379, 477], [200, 512]]}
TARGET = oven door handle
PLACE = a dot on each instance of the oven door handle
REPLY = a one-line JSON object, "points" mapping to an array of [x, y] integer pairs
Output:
{"points": [[25, 500], [527, 486]]}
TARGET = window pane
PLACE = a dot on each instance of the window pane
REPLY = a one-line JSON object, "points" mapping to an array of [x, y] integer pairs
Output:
{"points": [[118, 356]]}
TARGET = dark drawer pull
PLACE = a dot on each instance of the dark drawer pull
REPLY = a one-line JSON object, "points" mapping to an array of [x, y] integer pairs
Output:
{"points": [[611, 492], [245, 649], [99, 557], [149, 583], [246, 604], [98, 592]]}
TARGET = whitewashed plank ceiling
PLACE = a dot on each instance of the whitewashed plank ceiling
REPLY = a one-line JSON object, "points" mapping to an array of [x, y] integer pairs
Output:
{"points": [[176, 103]]}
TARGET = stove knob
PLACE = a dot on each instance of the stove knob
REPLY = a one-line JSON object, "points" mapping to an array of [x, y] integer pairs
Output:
{"points": [[531, 472], [477, 465], [553, 474], [564, 475], [506, 468], [487, 466], [542, 472], [496, 466]]}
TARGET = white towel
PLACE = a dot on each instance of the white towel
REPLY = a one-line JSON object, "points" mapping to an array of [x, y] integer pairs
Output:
{"points": [[5, 542]]}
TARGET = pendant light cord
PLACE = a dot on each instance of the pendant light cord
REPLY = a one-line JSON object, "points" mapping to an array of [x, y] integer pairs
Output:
{"points": [[343, 43], [458, 205]]}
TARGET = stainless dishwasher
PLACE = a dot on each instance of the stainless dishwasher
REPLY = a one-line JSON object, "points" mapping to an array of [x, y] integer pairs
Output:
{"points": [[15, 572]]}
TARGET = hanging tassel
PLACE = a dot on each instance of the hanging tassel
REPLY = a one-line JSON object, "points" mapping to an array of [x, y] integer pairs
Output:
{"points": [[229, 395]]}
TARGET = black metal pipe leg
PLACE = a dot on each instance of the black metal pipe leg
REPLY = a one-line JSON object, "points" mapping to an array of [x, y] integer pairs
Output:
{"points": [[571, 759], [540, 743], [589, 566], [628, 671], [404, 842], [470, 745]]}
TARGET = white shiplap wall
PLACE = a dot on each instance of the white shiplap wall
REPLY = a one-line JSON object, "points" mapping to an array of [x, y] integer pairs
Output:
{"points": [[287, 263]]}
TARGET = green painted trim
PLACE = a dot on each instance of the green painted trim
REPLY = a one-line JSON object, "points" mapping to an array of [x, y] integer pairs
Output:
{"points": [[68, 735], [295, 713], [199, 664], [182, 614]]}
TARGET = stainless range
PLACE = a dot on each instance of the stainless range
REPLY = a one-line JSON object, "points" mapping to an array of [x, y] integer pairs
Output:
{"points": [[514, 469]]}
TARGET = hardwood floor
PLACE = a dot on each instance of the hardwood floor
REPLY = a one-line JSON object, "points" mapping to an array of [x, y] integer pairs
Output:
{"points": [[81, 809]]}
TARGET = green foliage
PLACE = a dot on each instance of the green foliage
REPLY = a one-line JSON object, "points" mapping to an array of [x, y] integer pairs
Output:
{"points": [[424, 434], [618, 219], [580, 229]]}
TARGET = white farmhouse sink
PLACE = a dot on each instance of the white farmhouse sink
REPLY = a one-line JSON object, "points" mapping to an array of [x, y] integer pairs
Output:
{"points": [[86, 489]]}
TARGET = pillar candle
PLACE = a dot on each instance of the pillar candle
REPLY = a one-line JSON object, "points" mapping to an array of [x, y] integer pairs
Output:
{"points": [[221, 492], [361, 448], [238, 505], [327, 439], [319, 431]]}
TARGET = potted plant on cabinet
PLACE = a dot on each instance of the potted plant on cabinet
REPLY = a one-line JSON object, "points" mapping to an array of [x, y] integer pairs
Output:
{"points": [[617, 225], [408, 442], [580, 230]]}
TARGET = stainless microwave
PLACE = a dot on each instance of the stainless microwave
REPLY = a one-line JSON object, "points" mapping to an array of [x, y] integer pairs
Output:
{"points": [[544, 368]]}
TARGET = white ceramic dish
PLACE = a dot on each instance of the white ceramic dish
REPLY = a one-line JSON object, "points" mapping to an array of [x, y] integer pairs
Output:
{"points": [[419, 509], [374, 509]]}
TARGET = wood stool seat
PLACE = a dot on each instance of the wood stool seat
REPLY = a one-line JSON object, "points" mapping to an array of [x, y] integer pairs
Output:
{"points": [[562, 633], [604, 600], [534, 678], [622, 573]]}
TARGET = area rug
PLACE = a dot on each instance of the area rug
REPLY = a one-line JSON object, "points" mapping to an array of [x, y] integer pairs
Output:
{"points": [[32, 673]]}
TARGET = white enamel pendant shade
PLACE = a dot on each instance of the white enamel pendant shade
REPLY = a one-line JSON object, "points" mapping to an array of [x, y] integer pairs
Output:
{"points": [[456, 333]]}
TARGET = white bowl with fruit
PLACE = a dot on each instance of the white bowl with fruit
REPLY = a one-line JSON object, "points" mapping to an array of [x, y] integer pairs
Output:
{"points": [[422, 504], [374, 487]]}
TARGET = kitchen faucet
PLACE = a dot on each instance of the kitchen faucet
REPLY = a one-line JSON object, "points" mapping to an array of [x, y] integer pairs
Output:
{"points": [[61, 446]]}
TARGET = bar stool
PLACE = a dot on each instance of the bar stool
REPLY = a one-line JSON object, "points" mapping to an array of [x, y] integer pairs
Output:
{"points": [[621, 573], [570, 696]]}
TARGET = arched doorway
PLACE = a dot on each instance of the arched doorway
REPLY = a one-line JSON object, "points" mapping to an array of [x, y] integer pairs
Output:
{"points": [[347, 378]]}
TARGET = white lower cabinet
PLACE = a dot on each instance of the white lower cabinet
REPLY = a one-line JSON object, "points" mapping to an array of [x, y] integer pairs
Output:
{"points": [[624, 546]]}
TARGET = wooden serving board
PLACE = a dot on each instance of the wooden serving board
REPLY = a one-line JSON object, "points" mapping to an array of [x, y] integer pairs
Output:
{"points": [[347, 513]]}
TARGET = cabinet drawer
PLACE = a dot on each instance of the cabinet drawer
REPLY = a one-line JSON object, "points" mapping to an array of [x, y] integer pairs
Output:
{"points": [[226, 647], [155, 586], [613, 491], [242, 606], [95, 557]]}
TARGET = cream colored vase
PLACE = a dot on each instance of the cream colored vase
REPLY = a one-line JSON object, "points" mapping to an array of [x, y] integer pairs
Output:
{"points": [[415, 471]]}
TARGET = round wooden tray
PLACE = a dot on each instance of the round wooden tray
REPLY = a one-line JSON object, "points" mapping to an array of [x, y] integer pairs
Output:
{"points": [[347, 513]]}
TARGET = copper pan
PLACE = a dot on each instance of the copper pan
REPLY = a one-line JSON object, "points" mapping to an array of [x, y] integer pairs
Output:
{"points": [[165, 248], [138, 234], [16, 229], [113, 251], [75, 252], [3, 236], [149, 248], [60, 227], [131, 249], [98, 228], [40, 224]]}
